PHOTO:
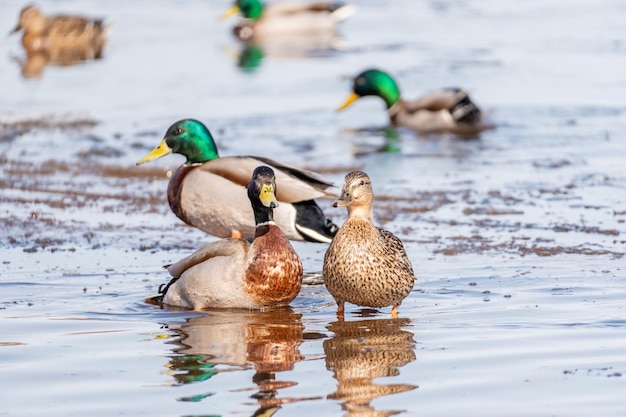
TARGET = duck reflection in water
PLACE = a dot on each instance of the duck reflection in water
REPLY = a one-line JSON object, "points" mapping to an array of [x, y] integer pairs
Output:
{"points": [[251, 53], [267, 341], [61, 40], [363, 350]]}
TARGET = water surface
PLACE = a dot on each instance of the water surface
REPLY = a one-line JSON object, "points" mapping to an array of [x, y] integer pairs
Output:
{"points": [[516, 237]]}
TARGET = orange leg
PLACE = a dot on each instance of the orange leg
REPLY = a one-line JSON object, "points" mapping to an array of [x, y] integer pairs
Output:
{"points": [[394, 312], [340, 308], [235, 234]]}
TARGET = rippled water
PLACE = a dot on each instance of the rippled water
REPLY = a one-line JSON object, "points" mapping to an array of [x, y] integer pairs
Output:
{"points": [[517, 237]]}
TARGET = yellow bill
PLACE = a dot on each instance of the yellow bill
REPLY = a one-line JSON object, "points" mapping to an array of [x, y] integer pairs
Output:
{"points": [[351, 99], [156, 153], [232, 11], [267, 197]]}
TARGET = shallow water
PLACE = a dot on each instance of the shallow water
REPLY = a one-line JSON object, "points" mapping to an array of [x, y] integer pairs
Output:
{"points": [[516, 237]]}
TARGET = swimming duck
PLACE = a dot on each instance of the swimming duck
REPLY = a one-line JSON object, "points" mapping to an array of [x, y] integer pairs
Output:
{"points": [[446, 110], [364, 264], [234, 273], [286, 18], [209, 192], [43, 33]]}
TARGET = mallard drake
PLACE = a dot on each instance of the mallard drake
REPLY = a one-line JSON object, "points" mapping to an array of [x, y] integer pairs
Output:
{"points": [[42, 33], [286, 18], [234, 273], [209, 192], [446, 110], [364, 264]]}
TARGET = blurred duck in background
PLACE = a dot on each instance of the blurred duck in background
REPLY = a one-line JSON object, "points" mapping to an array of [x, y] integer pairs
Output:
{"points": [[59, 39], [286, 29], [286, 18], [447, 110]]}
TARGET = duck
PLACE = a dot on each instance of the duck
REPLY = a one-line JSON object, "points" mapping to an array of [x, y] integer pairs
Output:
{"points": [[364, 264], [209, 192], [59, 34], [237, 273], [287, 18], [445, 110]]}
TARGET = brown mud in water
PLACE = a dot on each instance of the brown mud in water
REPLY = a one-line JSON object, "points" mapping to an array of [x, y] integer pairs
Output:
{"points": [[39, 196]]}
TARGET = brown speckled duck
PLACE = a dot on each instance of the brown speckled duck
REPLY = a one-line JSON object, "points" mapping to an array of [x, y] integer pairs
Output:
{"points": [[364, 264], [234, 273], [44, 33], [446, 110]]}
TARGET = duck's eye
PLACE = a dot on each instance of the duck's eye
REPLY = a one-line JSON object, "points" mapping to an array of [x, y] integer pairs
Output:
{"points": [[178, 131], [362, 183]]}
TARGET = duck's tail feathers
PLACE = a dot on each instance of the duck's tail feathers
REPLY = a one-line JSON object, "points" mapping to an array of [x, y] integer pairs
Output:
{"points": [[313, 224], [465, 110], [158, 299], [342, 11], [107, 30]]}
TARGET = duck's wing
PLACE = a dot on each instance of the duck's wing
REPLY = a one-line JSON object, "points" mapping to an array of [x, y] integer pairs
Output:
{"points": [[62, 25], [223, 247], [339, 11], [455, 100], [395, 245], [296, 178], [292, 184], [443, 99], [295, 7]]}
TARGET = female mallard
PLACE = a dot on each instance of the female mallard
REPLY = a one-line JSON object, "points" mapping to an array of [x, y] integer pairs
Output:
{"points": [[234, 273], [447, 110], [209, 192], [286, 18], [364, 264], [43, 33]]}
